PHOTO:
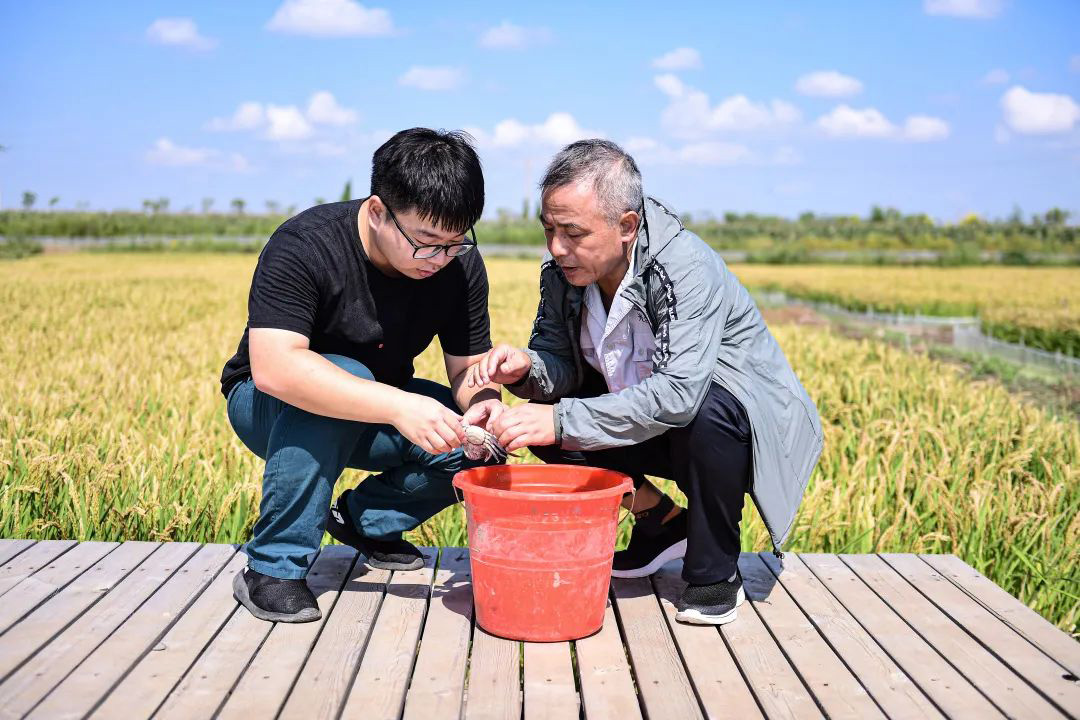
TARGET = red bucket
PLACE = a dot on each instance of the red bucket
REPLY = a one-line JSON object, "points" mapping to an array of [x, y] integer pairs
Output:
{"points": [[541, 541]]}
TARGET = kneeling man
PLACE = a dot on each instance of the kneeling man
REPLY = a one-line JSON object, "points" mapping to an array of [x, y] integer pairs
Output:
{"points": [[649, 357]]}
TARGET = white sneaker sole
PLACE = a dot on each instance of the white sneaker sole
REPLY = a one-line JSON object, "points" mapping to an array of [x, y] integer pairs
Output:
{"points": [[674, 552], [695, 617]]}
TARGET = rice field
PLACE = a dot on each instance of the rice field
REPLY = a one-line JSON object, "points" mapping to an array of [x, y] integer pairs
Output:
{"points": [[1037, 306], [112, 425]]}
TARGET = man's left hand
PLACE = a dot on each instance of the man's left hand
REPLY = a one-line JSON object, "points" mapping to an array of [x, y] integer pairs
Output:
{"points": [[524, 425]]}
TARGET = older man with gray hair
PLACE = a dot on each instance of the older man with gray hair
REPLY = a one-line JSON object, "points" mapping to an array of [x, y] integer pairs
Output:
{"points": [[649, 357]]}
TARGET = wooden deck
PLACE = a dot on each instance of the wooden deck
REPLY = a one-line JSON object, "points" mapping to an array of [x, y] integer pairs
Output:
{"points": [[143, 629]]}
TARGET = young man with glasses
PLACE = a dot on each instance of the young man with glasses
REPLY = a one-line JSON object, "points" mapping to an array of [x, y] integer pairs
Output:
{"points": [[343, 299]]}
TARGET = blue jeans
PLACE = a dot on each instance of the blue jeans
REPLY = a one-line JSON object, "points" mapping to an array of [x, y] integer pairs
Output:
{"points": [[306, 453]]}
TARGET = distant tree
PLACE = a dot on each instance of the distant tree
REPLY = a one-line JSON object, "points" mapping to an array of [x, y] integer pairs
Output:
{"points": [[148, 205], [525, 209], [877, 214], [207, 203], [291, 210], [1016, 217], [320, 201], [273, 207], [1056, 217], [28, 199], [238, 205], [162, 205], [346, 194], [806, 217], [53, 201]]}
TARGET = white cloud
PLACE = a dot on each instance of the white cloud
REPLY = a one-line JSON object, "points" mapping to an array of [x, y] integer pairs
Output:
{"points": [[1030, 113], [330, 18], [248, 116], [689, 114], [683, 58], [828, 83], [982, 9], [286, 122], [181, 32], [846, 121], [997, 76], [508, 36], [924, 128], [323, 109], [167, 153], [707, 153], [432, 77], [557, 130]]}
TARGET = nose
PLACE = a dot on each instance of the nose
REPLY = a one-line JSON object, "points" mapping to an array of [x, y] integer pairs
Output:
{"points": [[556, 247]]}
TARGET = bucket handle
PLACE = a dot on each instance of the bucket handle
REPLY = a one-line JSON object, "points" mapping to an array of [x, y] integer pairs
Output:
{"points": [[630, 510]]}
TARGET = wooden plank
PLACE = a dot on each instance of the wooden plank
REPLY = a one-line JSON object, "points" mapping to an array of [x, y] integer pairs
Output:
{"points": [[48, 581], [265, 684], [607, 687], [378, 692], [1004, 688], [323, 684], [91, 680], [713, 671], [893, 690], [947, 688], [11, 548], [777, 686], [150, 681], [207, 683], [494, 691], [1043, 674], [838, 692], [1033, 626], [26, 563], [50, 617], [438, 685], [24, 688], [549, 682], [665, 689]]}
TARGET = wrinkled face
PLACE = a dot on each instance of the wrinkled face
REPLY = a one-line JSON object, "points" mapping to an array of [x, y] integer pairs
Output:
{"points": [[395, 248], [583, 242]]}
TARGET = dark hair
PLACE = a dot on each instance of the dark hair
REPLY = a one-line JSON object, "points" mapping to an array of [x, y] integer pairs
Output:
{"points": [[435, 172]]}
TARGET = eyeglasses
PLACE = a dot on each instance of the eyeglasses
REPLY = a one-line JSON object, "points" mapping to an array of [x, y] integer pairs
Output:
{"points": [[426, 252]]}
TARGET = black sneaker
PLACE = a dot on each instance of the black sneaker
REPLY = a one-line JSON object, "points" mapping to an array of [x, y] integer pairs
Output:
{"points": [[653, 544], [274, 599], [396, 554], [713, 604]]}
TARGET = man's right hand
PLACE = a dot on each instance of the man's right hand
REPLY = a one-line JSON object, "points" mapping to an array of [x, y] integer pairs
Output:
{"points": [[428, 424], [503, 364]]}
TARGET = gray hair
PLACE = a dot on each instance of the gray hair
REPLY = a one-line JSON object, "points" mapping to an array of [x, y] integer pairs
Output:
{"points": [[613, 173]]}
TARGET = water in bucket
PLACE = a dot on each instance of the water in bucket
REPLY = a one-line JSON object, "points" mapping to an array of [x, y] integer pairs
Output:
{"points": [[541, 542]]}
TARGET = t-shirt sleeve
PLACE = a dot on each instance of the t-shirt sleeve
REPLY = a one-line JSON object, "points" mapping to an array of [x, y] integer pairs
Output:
{"points": [[285, 288], [466, 328]]}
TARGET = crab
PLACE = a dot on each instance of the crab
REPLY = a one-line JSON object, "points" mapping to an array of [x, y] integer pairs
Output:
{"points": [[481, 445]]}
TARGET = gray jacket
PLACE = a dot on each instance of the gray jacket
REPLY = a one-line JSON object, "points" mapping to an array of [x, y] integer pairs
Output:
{"points": [[707, 329]]}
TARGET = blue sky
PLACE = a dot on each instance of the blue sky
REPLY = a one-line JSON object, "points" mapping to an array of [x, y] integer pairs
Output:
{"points": [[938, 106]]}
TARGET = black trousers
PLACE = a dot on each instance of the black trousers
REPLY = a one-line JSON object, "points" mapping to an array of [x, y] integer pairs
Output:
{"points": [[710, 461]]}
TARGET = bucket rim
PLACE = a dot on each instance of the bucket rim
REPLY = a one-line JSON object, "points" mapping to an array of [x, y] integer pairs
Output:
{"points": [[626, 486]]}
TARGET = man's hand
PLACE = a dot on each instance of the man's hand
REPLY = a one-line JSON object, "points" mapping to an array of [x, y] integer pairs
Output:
{"points": [[502, 364], [428, 424], [485, 413], [524, 425]]}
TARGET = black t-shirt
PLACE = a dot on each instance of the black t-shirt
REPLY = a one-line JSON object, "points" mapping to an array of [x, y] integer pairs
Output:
{"points": [[314, 278]]}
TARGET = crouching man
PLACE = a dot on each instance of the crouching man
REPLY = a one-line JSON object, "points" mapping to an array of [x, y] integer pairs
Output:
{"points": [[649, 357], [343, 299]]}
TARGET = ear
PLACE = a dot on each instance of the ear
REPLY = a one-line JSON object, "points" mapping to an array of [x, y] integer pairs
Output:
{"points": [[628, 225], [376, 211]]}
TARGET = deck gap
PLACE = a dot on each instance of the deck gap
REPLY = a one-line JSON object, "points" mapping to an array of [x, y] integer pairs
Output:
{"points": [[870, 632], [161, 636], [367, 640], [292, 686], [925, 639], [626, 652], [1004, 661], [120, 624]]}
